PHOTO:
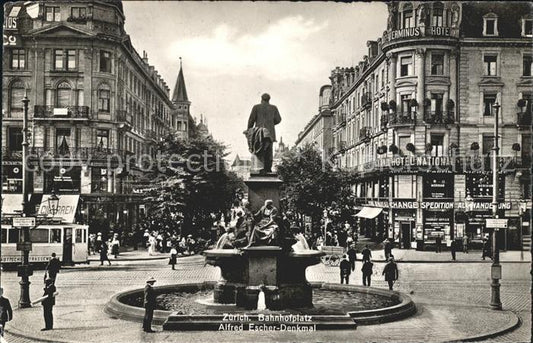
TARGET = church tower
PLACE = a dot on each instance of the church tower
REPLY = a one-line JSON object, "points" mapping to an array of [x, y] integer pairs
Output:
{"points": [[182, 105]]}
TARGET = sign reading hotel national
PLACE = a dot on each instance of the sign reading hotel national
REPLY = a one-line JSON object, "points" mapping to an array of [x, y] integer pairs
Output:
{"points": [[420, 32], [406, 162]]}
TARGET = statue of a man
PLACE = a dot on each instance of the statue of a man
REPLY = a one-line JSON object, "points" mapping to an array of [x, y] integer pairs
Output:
{"points": [[261, 134]]}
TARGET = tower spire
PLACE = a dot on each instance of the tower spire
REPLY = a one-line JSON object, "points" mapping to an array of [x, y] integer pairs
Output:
{"points": [[180, 91]]}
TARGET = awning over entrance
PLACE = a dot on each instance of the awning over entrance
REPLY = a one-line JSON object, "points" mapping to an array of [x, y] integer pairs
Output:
{"points": [[369, 212]]}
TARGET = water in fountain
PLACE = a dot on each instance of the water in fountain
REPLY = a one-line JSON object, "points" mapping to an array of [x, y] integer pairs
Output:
{"points": [[261, 305]]}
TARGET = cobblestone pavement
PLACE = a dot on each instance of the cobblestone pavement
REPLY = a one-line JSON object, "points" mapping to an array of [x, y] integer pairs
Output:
{"points": [[452, 301]]}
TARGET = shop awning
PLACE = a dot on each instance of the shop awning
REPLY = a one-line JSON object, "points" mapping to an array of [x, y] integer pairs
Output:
{"points": [[11, 203], [369, 212]]}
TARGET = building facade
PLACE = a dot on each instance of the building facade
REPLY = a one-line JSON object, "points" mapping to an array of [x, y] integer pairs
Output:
{"points": [[414, 120], [318, 131], [96, 107]]}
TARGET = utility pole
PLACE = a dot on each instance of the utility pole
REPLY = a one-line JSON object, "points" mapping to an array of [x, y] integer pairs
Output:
{"points": [[24, 270], [495, 301]]}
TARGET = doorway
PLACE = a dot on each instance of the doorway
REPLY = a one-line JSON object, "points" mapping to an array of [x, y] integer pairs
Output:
{"points": [[67, 245], [406, 235]]}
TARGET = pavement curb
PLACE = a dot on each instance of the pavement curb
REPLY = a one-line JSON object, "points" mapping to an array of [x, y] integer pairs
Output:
{"points": [[517, 322]]}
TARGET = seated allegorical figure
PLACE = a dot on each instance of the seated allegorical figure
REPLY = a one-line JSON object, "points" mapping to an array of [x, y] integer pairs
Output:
{"points": [[265, 231], [227, 240]]}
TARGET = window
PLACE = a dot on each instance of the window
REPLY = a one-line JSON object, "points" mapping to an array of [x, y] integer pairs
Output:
{"points": [[79, 236], [17, 94], [4, 236], [71, 59], [527, 27], [102, 139], [436, 103], [39, 235], [99, 180], [18, 58], [103, 99], [528, 98], [382, 78], [408, 20], [490, 25], [488, 102], [402, 143], [437, 143], [105, 61], [489, 62], [58, 60], [63, 95], [488, 144], [404, 186], [528, 62], [13, 235], [406, 65], [437, 64], [78, 12], [14, 139], [406, 99], [62, 140], [55, 235], [53, 13], [437, 18]]}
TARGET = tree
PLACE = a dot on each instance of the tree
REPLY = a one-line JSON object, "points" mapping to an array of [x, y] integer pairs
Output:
{"points": [[310, 185], [190, 182]]}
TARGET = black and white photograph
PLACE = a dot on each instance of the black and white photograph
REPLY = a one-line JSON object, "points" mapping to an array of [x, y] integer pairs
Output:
{"points": [[266, 171]]}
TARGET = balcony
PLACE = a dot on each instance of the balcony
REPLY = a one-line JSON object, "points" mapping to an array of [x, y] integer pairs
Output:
{"points": [[52, 112], [438, 117], [523, 119], [47, 156], [365, 134], [124, 117], [366, 100], [340, 120], [402, 119], [150, 134], [384, 121]]}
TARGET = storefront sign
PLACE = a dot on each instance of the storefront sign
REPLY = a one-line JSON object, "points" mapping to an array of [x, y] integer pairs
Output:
{"points": [[496, 223], [482, 206], [431, 205], [11, 40], [420, 32], [378, 203], [401, 163], [66, 207], [24, 222]]}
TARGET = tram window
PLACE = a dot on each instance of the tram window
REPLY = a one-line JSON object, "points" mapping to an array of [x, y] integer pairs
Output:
{"points": [[39, 235], [55, 236], [13, 236], [79, 237], [4, 236]]}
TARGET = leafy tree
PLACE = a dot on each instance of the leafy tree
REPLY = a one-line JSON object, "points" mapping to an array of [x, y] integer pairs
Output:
{"points": [[310, 185], [190, 183]]}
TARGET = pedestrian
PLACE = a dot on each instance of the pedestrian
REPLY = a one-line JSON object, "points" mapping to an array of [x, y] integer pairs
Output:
{"points": [[345, 269], [465, 244], [149, 305], [103, 254], [92, 244], [53, 267], [487, 249], [173, 257], [388, 249], [453, 248], [366, 253], [115, 244], [438, 242], [367, 272], [391, 272], [98, 245], [352, 256], [6, 313], [48, 304]]}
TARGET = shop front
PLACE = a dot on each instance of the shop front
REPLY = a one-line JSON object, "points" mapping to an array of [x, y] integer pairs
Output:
{"points": [[403, 227], [438, 223]]}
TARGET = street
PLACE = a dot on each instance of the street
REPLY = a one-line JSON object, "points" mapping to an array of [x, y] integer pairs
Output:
{"points": [[454, 295]]}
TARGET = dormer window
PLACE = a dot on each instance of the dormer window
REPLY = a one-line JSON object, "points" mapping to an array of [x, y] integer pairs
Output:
{"points": [[490, 25], [407, 17], [53, 13], [438, 14], [527, 27]]}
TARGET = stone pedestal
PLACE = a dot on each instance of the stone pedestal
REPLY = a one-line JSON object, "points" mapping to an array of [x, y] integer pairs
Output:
{"points": [[261, 188], [262, 265]]}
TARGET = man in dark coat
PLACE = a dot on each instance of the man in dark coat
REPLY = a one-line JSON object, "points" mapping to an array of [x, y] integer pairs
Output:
{"points": [[367, 273], [6, 313], [391, 272], [149, 305], [48, 304], [352, 256], [345, 269], [263, 116], [366, 253], [453, 248], [388, 249], [438, 243], [103, 254], [53, 267]]}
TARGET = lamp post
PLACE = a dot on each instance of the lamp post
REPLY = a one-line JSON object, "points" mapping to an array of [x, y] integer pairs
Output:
{"points": [[53, 203], [24, 270], [495, 301]]}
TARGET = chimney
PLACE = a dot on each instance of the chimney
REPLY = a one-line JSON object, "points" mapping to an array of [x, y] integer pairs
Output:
{"points": [[145, 57], [372, 49]]}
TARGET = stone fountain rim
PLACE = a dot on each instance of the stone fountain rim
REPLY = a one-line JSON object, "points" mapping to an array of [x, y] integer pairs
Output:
{"points": [[115, 308]]}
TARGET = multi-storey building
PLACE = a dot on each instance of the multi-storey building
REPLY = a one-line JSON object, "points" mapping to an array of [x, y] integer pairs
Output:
{"points": [[97, 107], [415, 121], [318, 131]]}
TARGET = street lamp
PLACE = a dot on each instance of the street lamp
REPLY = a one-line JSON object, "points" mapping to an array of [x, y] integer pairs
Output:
{"points": [[53, 203], [495, 301]]}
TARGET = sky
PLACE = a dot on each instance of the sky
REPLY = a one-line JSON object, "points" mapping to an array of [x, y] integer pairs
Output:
{"points": [[235, 51]]}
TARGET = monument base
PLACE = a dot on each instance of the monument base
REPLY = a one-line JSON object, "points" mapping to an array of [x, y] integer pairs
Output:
{"points": [[261, 188]]}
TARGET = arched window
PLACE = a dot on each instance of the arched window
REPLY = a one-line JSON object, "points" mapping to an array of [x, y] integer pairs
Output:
{"points": [[16, 96], [407, 16], [104, 95], [63, 95]]}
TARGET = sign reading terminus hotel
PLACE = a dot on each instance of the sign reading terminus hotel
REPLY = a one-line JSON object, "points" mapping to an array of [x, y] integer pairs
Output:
{"points": [[420, 32]]}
